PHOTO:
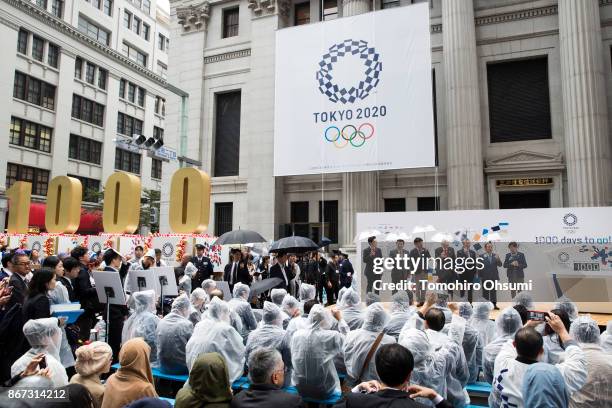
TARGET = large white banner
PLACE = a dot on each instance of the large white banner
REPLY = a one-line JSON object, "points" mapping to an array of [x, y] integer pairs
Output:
{"points": [[355, 94]]}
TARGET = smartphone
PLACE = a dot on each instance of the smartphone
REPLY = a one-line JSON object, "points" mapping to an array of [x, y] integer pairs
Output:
{"points": [[43, 363], [537, 316]]}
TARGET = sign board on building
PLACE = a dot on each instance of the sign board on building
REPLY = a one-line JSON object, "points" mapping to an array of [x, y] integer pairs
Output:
{"points": [[355, 94]]}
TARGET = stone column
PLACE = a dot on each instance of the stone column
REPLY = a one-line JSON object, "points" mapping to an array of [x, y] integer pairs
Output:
{"points": [[587, 146], [463, 125], [359, 190]]}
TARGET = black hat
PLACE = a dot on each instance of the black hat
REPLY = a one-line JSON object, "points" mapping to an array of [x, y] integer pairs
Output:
{"points": [[199, 246], [344, 255]]}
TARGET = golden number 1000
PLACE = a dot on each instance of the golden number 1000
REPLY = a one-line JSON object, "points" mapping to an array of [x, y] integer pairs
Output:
{"points": [[189, 203]]}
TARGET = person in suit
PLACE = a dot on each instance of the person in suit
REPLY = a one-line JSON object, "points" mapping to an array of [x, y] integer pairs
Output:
{"points": [[368, 257], [394, 364], [468, 274], [267, 375], [5, 270], [332, 278], [20, 266], [419, 254], [490, 273], [445, 274], [117, 313], [37, 305], [346, 271], [515, 264], [236, 271], [280, 270], [398, 274], [204, 266], [85, 293], [72, 268]]}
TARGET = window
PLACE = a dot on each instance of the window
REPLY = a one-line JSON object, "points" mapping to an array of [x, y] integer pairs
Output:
{"points": [[57, 8], [156, 169], [38, 48], [428, 203], [42, 4], [90, 188], [31, 135], [108, 7], [227, 134], [122, 85], [158, 133], [302, 13], [395, 204], [160, 106], [519, 104], [131, 92], [52, 55], [146, 6], [328, 214], [127, 161], [102, 76], [78, 68], [22, 42], [330, 10], [224, 215], [93, 31], [136, 24], [524, 199], [87, 110], [163, 42], [95, 3], [128, 125], [34, 91], [90, 73], [389, 4], [134, 54], [84, 149], [38, 177], [299, 218], [145, 31], [141, 96], [230, 22], [127, 19], [162, 69]]}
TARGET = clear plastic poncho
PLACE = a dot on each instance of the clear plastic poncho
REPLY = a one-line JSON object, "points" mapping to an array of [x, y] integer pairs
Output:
{"points": [[507, 324], [358, 343], [239, 304], [401, 311], [277, 296], [524, 299], [351, 309], [143, 321], [569, 307], [482, 323], [215, 334], [606, 338], [198, 301], [208, 285], [270, 334], [58, 296], [307, 292], [173, 333], [312, 354], [44, 336], [585, 330]]}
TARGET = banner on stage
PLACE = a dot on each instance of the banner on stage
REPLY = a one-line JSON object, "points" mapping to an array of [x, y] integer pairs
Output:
{"points": [[355, 94]]}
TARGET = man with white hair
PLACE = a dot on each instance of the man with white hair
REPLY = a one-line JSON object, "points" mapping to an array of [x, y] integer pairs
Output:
{"points": [[173, 333], [597, 391], [215, 334], [267, 376]]}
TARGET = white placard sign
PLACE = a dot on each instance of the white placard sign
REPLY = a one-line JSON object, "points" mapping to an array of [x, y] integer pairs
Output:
{"points": [[355, 94]]}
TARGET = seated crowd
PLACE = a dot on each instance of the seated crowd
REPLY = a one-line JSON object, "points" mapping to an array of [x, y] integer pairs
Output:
{"points": [[295, 352]]}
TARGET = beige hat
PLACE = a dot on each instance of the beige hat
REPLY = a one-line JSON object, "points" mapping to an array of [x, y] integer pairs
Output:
{"points": [[92, 358]]}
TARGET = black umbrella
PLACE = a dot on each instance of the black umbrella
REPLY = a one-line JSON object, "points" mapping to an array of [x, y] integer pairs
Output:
{"points": [[239, 237], [259, 287], [324, 242], [294, 244]]}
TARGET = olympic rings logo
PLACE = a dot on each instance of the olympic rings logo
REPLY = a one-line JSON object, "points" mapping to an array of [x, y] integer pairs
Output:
{"points": [[349, 134]]}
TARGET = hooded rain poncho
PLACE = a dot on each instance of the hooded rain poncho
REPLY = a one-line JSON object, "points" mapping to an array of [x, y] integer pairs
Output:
{"points": [[143, 322], [173, 333]]}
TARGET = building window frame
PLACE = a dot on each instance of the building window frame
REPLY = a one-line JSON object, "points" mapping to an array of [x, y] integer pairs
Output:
{"points": [[231, 22]]}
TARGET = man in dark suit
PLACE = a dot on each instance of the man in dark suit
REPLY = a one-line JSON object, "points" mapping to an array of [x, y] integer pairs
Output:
{"points": [[346, 271], [204, 266], [117, 313], [267, 375], [85, 293], [368, 257], [446, 255], [20, 266], [5, 271], [332, 278], [236, 271], [280, 270], [398, 274], [394, 364], [468, 274], [515, 263], [419, 255], [490, 273]]}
